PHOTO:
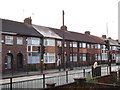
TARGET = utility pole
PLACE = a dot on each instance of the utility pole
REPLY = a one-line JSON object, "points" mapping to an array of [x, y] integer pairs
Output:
{"points": [[63, 41]]}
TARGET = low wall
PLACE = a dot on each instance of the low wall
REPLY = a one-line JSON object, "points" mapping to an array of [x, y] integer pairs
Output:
{"points": [[103, 82]]}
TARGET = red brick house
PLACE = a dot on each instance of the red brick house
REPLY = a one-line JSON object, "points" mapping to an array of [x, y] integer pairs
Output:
{"points": [[20, 43], [14, 44]]}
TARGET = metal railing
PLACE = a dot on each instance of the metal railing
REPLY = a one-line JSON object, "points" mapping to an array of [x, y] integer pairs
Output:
{"points": [[66, 77]]}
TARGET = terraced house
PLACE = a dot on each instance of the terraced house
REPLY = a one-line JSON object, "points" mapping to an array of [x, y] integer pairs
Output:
{"points": [[20, 42]]}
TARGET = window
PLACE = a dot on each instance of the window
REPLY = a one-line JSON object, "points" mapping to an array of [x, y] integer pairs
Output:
{"points": [[74, 44], [114, 56], [8, 39], [59, 43], [92, 46], [96, 57], [65, 44], [49, 42], [84, 57], [33, 41], [99, 56], [49, 58], [8, 61], [118, 58], [97, 46], [80, 45], [33, 58], [114, 48], [74, 57], [88, 45], [84, 45], [104, 56], [19, 40]]}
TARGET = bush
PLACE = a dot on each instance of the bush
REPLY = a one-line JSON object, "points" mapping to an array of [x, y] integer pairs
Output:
{"points": [[91, 79]]}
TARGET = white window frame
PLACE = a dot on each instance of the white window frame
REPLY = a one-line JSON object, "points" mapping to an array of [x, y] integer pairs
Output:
{"points": [[80, 45], [59, 43], [30, 41], [88, 45], [104, 56], [84, 57], [9, 40], [74, 57], [20, 40], [33, 58], [99, 56], [47, 57], [83, 45], [49, 42]]}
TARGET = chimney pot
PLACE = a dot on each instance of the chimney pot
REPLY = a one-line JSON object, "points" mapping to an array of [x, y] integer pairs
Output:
{"points": [[28, 20], [87, 32], [64, 28], [104, 36]]}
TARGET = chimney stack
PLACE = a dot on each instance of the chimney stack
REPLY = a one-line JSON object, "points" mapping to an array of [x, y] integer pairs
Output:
{"points": [[87, 32], [28, 20], [64, 28], [104, 36]]}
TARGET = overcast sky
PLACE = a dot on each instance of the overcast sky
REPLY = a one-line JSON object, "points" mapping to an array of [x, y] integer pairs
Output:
{"points": [[80, 15]]}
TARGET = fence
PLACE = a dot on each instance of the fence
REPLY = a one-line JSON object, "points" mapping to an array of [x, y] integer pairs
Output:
{"points": [[66, 77]]}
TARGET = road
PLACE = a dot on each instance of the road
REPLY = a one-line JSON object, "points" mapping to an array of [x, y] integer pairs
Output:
{"points": [[59, 78]]}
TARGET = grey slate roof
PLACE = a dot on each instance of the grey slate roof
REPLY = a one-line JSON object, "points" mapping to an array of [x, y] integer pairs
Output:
{"points": [[46, 32], [19, 28], [74, 36]]}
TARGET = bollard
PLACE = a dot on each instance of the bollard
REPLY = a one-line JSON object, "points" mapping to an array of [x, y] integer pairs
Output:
{"points": [[43, 80], [83, 72], [66, 76], [119, 74], [10, 83]]}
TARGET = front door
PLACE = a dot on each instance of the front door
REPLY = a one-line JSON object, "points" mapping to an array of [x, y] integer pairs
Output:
{"points": [[19, 60]]}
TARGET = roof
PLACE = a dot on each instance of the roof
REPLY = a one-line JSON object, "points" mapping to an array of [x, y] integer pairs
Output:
{"points": [[19, 28], [46, 32], [74, 36], [98, 39], [112, 42]]}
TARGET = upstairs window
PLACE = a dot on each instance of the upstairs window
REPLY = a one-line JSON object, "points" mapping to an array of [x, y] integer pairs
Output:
{"points": [[9, 40], [49, 42], [88, 45], [73, 44], [97, 46], [33, 41], [83, 45], [114, 48], [19, 40], [59, 43], [65, 44], [92, 46], [80, 45]]}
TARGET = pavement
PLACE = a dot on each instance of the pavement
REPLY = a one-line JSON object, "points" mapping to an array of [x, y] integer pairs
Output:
{"points": [[32, 73]]}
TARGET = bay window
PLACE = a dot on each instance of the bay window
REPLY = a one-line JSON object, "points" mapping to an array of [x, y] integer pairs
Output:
{"points": [[49, 58]]}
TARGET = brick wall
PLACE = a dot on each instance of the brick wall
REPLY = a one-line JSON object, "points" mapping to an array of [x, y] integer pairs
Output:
{"points": [[14, 50]]}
